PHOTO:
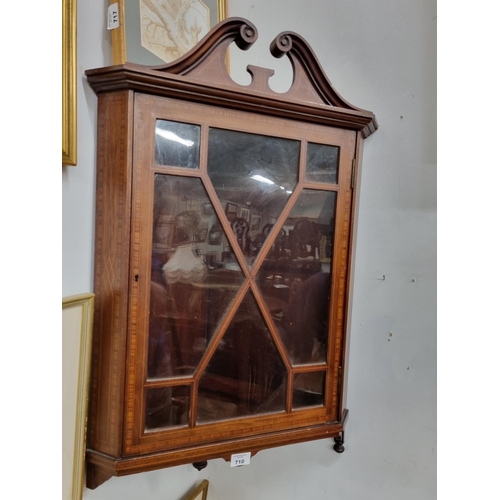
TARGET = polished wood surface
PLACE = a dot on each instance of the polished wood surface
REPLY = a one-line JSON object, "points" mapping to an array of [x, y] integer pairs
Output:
{"points": [[133, 305], [111, 274], [311, 97], [126, 466]]}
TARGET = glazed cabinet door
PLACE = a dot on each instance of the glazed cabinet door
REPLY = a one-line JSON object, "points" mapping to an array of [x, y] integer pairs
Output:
{"points": [[240, 231]]}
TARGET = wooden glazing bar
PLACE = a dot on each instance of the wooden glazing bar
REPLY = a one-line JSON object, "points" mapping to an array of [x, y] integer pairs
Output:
{"points": [[274, 232], [323, 367], [226, 225], [212, 347]]}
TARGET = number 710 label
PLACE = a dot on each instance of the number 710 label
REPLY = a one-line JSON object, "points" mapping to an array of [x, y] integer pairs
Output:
{"points": [[239, 459]]}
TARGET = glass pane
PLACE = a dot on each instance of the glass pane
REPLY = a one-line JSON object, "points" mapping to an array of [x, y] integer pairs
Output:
{"points": [[177, 144], [167, 407], [253, 176], [322, 163], [295, 276], [246, 375], [193, 277], [308, 390]]}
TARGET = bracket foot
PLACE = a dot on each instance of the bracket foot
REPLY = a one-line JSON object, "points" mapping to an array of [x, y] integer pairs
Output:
{"points": [[339, 443], [200, 465]]}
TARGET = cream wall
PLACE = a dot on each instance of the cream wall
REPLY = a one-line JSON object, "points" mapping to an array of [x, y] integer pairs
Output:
{"points": [[379, 56]]}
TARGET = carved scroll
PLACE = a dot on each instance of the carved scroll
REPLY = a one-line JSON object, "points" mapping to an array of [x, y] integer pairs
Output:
{"points": [[201, 76]]}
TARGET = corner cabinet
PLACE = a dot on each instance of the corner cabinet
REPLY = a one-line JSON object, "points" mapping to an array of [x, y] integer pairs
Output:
{"points": [[222, 247]]}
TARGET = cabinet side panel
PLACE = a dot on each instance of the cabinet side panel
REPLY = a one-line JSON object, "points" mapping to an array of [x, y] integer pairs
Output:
{"points": [[111, 279], [340, 266], [350, 267]]}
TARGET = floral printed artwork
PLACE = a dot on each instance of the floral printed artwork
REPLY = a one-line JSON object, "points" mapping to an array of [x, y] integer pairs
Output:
{"points": [[170, 28]]}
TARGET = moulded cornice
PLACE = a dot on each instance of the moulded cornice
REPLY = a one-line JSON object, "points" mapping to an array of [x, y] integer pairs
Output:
{"points": [[201, 76]]}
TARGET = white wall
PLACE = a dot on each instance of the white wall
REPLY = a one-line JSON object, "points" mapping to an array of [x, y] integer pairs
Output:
{"points": [[379, 56]]}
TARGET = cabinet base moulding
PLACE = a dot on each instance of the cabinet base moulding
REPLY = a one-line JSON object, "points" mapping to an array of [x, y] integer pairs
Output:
{"points": [[102, 467]]}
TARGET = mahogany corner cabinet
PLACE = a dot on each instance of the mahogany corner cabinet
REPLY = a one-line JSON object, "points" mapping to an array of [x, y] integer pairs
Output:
{"points": [[224, 219]]}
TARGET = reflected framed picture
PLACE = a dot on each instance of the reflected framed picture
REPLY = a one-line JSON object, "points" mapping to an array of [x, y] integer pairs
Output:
{"points": [[77, 318], [154, 32], [200, 492], [245, 214], [231, 211], [255, 223]]}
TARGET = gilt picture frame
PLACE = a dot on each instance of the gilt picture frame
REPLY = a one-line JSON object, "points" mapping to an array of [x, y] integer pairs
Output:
{"points": [[200, 492], [150, 34], [77, 319], [69, 82]]}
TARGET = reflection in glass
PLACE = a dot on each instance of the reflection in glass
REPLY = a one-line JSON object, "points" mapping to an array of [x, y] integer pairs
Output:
{"points": [[308, 390], [167, 407], [177, 144], [246, 375], [194, 278], [322, 163], [253, 177], [295, 277]]}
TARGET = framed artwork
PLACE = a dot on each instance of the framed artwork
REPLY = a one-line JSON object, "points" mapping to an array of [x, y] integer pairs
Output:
{"points": [[77, 318], [231, 211], [154, 32], [200, 493], [245, 214], [255, 223], [69, 82]]}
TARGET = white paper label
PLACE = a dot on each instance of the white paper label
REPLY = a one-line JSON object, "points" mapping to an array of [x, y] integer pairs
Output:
{"points": [[239, 459], [113, 19]]}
